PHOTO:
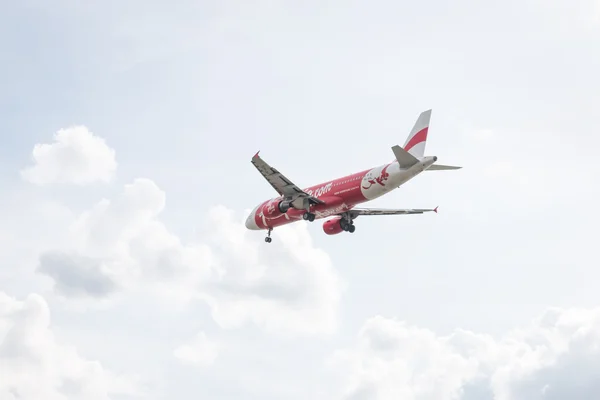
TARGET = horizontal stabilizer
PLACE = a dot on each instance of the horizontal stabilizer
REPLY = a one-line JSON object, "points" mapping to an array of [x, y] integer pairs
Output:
{"points": [[405, 159], [439, 167]]}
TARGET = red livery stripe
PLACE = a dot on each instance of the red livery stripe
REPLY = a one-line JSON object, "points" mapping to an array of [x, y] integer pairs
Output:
{"points": [[419, 137]]}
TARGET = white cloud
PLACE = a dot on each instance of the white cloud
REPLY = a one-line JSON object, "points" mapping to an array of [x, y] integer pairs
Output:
{"points": [[555, 357], [289, 287], [121, 245], [200, 351], [33, 365], [77, 156]]}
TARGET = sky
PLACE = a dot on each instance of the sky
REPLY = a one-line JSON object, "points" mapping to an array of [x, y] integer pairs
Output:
{"points": [[127, 129]]}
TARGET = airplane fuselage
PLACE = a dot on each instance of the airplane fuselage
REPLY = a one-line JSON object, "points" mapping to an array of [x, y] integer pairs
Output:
{"points": [[339, 195]]}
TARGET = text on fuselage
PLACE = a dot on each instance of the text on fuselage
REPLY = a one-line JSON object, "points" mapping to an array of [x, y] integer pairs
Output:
{"points": [[320, 191]]}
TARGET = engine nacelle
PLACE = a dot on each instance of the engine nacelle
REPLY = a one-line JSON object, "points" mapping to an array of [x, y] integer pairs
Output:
{"points": [[284, 206], [332, 226]]}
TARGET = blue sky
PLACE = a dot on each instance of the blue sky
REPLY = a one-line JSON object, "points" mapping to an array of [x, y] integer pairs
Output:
{"points": [[183, 94]]}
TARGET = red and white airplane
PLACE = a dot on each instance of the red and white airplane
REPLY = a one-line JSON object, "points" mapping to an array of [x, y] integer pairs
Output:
{"points": [[339, 197]]}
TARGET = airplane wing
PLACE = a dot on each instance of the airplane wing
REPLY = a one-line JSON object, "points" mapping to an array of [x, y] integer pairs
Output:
{"points": [[280, 183], [355, 212]]}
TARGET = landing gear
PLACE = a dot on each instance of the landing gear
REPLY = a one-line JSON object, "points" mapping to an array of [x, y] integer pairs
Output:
{"points": [[347, 224], [268, 238], [308, 216]]}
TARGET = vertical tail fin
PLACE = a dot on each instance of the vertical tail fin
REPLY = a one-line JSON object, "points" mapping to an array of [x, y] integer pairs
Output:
{"points": [[416, 140]]}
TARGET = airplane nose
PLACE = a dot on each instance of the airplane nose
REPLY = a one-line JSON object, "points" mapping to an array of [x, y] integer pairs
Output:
{"points": [[251, 223]]}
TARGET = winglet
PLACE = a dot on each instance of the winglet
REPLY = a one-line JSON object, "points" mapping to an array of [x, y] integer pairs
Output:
{"points": [[256, 155], [435, 210]]}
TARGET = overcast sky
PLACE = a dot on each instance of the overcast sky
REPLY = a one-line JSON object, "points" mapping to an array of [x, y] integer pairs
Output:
{"points": [[127, 130]]}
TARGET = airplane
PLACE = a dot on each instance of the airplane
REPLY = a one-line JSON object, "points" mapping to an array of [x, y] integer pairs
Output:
{"points": [[338, 198]]}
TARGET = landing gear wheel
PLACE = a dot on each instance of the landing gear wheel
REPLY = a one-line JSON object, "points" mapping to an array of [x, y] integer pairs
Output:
{"points": [[308, 216], [344, 225], [268, 239], [347, 225]]}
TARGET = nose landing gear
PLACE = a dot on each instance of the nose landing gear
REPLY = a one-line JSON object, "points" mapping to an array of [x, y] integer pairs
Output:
{"points": [[268, 238]]}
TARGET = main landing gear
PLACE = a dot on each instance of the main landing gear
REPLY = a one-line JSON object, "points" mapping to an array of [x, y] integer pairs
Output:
{"points": [[308, 216], [347, 225]]}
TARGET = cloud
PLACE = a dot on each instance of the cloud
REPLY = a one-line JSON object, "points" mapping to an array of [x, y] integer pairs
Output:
{"points": [[121, 245], [76, 275], [200, 351], [555, 357], [77, 156], [33, 365], [289, 287]]}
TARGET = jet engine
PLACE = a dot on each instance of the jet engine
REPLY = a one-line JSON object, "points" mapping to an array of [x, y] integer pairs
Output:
{"points": [[277, 207], [299, 203], [332, 226], [284, 206]]}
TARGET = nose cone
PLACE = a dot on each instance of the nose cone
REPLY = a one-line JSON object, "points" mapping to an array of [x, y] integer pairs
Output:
{"points": [[251, 222]]}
